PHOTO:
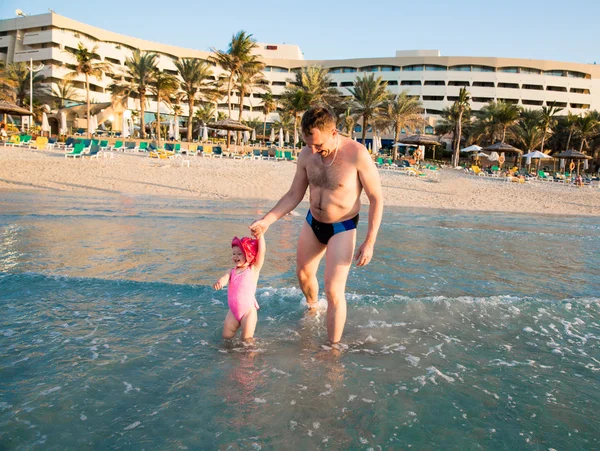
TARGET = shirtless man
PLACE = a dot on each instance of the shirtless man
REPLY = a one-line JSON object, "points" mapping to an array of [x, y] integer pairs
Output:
{"points": [[336, 169]]}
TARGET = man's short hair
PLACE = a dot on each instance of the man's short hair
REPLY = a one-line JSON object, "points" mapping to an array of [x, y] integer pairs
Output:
{"points": [[317, 117]]}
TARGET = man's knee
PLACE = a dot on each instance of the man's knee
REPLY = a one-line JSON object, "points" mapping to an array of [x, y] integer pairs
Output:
{"points": [[334, 294], [304, 275]]}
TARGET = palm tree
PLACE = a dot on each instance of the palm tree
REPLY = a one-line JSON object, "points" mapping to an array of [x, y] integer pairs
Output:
{"points": [[269, 104], [17, 80], [461, 105], [63, 92], [587, 128], [369, 93], [249, 78], [571, 125], [316, 82], [294, 103], [86, 66], [7, 85], [237, 57], [547, 120], [142, 69], [195, 77], [402, 111], [348, 122], [505, 114], [162, 85], [527, 133]]}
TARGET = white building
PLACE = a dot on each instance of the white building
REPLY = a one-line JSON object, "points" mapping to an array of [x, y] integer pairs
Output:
{"points": [[435, 79]]}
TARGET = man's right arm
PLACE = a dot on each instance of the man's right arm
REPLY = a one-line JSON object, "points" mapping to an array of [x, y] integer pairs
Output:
{"points": [[289, 201]]}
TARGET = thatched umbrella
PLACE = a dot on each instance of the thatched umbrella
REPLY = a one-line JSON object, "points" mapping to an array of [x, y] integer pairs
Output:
{"points": [[506, 148], [229, 125], [11, 108], [421, 140], [571, 154]]}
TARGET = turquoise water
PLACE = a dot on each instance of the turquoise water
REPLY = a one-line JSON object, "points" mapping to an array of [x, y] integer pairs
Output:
{"points": [[467, 331]]}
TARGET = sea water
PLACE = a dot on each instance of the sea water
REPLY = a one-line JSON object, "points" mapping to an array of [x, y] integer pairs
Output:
{"points": [[467, 331]]}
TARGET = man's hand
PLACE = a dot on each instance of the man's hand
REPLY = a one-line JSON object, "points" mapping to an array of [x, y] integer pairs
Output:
{"points": [[259, 227], [364, 254]]}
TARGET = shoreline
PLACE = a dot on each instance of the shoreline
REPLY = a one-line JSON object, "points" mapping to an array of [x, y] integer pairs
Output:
{"points": [[136, 174]]}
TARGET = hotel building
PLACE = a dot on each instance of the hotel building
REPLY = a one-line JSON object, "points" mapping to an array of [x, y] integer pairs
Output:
{"points": [[435, 79]]}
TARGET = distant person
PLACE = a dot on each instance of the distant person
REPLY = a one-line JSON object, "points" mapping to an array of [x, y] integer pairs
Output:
{"points": [[3, 134], [336, 169], [248, 256]]}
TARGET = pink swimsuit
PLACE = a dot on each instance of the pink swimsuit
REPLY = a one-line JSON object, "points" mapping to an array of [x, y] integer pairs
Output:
{"points": [[241, 292]]}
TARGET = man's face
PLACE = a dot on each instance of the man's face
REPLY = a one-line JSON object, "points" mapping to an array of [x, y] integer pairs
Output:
{"points": [[321, 141]]}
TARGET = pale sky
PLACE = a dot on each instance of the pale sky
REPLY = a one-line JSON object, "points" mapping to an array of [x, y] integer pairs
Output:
{"points": [[536, 29]]}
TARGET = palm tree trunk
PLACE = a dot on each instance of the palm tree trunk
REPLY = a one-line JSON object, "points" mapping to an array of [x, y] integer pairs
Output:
{"points": [[142, 111], [581, 146], [396, 137], [569, 140], [265, 126], [543, 140], [364, 130], [87, 100], [457, 143], [503, 133], [191, 119], [158, 121]]}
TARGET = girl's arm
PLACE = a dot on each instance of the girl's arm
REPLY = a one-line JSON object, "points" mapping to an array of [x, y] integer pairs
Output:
{"points": [[223, 281], [262, 250]]}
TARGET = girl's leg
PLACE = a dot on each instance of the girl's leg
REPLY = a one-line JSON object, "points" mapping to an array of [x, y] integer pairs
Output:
{"points": [[230, 326], [249, 324]]}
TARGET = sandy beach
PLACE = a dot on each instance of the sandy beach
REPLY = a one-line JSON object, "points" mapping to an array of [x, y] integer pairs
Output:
{"points": [[136, 174]]}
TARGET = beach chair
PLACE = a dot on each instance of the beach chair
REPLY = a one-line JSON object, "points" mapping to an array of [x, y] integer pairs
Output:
{"points": [[168, 147], [40, 143], [288, 155], [104, 145], [76, 152], [279, 155], [80, 132], [264, 154], [14, 141], [217, 152], [130, 146], [25, 141], [256, 154], [544, 177], [94, 152], [118, 145], [51, 143], [143, 147], [177, 148], [207, 151]]}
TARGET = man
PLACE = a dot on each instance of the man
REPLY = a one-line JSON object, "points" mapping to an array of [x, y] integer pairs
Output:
{"points": [[336, 169]]}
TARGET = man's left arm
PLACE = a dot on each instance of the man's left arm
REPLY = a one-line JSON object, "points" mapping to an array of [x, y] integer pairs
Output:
{"points": [[369, 178]]}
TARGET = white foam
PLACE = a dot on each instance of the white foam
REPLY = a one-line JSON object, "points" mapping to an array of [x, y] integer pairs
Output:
{"points": [[414, 361], [434, 370], [8, 333], [50, 390], [128, 387], [82, 417], [132, 426], [260, 400]]}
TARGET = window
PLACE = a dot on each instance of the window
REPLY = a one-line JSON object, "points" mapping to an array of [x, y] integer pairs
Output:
{"points": [[511, 101], [508, 85], [434, 98], [389, 68], [279, 83], [560, 104], [458, 83], [555, 73], [418, 67], [463, 68], [556, 88], [276, 69], [357, 128], [336, 70], [576, 74], [431, 67], [484, 84], [482, 99], [432, 111], [483, 69], [347, 70], [410, 82], [529, 70], [333, 84], [112, 60], [580, 91], [370, 69], [435, 83], [582, 106], [346, 84], [452, 98], [533, 102], [392, 82], [534, 87], [429, 130], [510, 70]]}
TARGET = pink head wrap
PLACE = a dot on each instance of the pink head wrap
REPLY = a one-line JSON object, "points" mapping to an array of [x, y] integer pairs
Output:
{"points": [[249, 247]]}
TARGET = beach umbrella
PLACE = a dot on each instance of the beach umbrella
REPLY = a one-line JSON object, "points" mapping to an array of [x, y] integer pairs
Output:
{"points": [[535, 154], [231, 126], [375, 148], [171, 133], [45, 124], [505, 148], [287, 137], [421, 140], [493, 156], [11, 108], [176, 131], [272, 137], [126, 131], [281, 137], [205, 133], [246, 137], [93, 124], [63, 123], [571, 154], [473, 148], [253, 137]]}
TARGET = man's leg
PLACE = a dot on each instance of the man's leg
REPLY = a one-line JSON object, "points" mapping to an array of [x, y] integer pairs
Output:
{"points": [[308, 255], [338, 260]]}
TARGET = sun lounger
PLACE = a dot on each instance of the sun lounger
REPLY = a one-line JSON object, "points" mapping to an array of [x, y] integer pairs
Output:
{"points": [[288, 155], [94, 152], [130, 146], [118, 145], [76, 152], [217, 152]]}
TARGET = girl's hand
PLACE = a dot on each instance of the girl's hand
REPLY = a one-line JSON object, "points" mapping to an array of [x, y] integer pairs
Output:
{"points": [[217, 285]]}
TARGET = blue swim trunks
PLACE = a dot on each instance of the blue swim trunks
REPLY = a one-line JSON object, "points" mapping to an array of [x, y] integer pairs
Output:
{"points": [[324, 231]]}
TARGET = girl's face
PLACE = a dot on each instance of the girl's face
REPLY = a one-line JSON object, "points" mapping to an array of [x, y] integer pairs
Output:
{"points": [[238, 257]]}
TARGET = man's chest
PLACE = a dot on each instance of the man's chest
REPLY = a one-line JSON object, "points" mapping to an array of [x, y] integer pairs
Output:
{"points": [[339, 176]]}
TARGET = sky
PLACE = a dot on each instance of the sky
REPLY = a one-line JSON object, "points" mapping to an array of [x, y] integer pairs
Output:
{"points": [[534, 29]]}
